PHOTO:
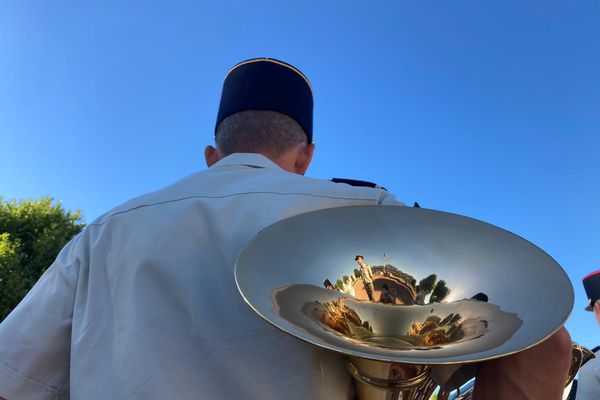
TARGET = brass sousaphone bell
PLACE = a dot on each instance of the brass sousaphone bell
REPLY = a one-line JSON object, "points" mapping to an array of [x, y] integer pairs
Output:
{"points": [[447, 290]]}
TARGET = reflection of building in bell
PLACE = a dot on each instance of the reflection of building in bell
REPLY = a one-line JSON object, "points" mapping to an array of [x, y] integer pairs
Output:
{"points": [[399, 287], [368, 283]]}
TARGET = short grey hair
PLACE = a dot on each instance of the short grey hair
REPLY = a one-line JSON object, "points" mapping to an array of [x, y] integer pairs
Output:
{"points": [[259, 131]]}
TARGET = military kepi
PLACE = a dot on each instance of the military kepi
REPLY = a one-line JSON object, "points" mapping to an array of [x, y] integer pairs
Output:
{"points": [[591, 284], [271, 85]]}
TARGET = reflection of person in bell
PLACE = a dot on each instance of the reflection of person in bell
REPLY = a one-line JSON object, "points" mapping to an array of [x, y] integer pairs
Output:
{"points": [[328, 285], [349, 286], [366, 276], [587, 386], [386, 296]]}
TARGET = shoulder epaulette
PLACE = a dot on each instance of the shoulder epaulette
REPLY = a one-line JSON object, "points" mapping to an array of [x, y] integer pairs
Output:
{"points": [[354, 182]]}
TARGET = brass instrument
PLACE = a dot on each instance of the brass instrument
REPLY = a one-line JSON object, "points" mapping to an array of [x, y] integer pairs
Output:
{"points": [[454, 291]]}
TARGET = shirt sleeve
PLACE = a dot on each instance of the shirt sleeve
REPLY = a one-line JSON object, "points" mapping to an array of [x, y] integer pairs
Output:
{"points": [[35, 338]]}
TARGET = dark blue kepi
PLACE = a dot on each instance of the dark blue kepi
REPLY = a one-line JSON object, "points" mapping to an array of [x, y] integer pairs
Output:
{"points": [[270, 85], [591, 284]]}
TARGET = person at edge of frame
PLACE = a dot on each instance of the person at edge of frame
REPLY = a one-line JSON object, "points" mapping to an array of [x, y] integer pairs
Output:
{"points": [[587, 386], [139, 305]]}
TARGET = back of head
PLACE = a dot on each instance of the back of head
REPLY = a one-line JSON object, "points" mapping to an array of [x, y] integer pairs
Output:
{"points": [[258, 131], [591, 284]]}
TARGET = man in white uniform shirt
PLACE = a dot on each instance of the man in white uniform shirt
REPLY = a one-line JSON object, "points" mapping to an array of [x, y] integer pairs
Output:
{"points": [[143, 305], [588, 383], [367, 276]]}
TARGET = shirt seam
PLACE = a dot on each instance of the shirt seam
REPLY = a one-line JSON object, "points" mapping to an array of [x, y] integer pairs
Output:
{"points": [[375, 200], [241, 165]]}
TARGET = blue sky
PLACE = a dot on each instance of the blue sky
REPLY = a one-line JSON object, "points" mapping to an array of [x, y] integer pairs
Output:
{"points": [[486, 109]]}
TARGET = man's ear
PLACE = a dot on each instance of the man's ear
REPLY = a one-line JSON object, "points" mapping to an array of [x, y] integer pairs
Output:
{"points": [[597, 311], [304, 158], [211, 156]]}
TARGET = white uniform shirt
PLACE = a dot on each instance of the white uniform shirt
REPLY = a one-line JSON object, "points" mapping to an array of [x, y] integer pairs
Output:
{"points": [[366, 273], [143, 304], [588, 383]]}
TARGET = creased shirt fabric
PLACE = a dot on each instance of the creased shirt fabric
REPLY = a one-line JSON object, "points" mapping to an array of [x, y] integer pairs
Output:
{"points": [[142, 304]]}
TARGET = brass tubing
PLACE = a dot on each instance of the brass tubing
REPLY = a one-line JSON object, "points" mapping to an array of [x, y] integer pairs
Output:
{"points": [[389, 385]]}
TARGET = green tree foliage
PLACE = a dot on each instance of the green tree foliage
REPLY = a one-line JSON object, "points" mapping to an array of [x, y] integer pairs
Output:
{"points": [[357, 272], [426, 285], [439, 292], [339, 284], [32, 233], [12, 284]]}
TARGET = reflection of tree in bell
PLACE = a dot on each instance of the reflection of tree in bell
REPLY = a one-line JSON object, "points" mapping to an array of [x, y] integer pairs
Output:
{"points": [[345, 320], [426, 285], [439, 292], [435, 331], [431, 333]]}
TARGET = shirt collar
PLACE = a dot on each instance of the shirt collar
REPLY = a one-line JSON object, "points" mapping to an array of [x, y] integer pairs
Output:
{"points": [[253, 160]]}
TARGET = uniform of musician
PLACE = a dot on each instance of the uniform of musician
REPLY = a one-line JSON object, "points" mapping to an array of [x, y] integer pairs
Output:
{"points": [[588, 383], [140, 305], [367, 276]]}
